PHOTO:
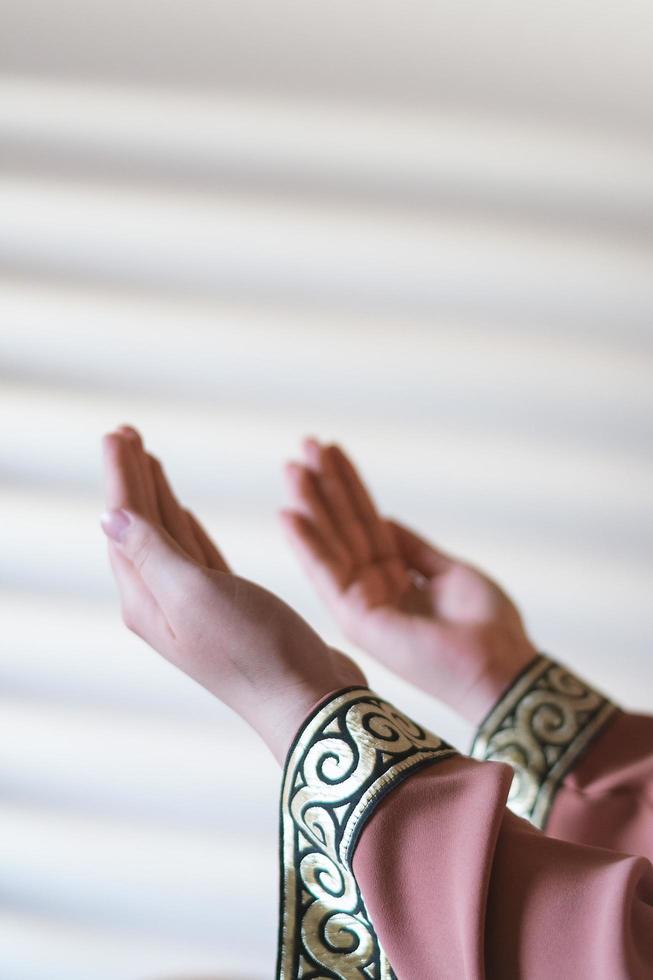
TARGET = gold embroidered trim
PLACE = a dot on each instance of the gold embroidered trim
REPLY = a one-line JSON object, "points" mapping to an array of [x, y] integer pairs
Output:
{"points": [[350, 753], [541, 726]]}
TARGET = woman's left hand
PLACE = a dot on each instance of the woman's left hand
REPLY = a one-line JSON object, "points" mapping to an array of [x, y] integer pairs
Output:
{"points": [[238, 640]]}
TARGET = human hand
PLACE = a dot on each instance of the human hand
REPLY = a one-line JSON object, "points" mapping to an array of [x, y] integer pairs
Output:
{"points": [[235, 638], [431, 618]]}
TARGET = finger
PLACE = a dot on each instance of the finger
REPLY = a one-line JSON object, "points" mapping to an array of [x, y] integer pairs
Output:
{"points": [[418, 553], [122, 482], [306, 499], [212, 556], [330, 575], [382, 543], [338, 502], [145, 472], [136, 470], [395, 568], [166, 570], [173, 516]]}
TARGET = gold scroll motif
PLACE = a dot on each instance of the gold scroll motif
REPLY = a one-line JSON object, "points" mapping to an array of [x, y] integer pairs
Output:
{"points": [[353, 750], [541, 726]]}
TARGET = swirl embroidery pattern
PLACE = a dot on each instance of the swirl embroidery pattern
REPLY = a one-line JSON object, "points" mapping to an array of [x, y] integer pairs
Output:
{"points": [[350, 753], [541, 726]]}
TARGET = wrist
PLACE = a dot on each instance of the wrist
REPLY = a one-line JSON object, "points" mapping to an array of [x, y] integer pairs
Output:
{"points": [[508, 661], [280, 713], [541, 725]]}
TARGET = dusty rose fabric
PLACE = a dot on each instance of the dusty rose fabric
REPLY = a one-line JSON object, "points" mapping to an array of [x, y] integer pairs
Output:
{"points": [[458, 887], [607, 799]]}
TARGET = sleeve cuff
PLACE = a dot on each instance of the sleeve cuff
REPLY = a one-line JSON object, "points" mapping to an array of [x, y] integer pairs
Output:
{"points": [[352, 750], [541, 725]]}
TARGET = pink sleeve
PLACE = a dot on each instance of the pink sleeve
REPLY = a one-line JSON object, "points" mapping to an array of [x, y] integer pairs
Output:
{"points": [[583, 768], [457, 886], [399, 859], [607, 798]]}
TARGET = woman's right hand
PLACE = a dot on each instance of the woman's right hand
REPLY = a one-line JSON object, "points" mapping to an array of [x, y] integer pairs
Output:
{"points": [[437, 621], [238, 640]]}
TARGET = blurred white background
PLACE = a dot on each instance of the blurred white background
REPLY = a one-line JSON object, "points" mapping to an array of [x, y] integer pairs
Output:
{"points": [[424, 229]]}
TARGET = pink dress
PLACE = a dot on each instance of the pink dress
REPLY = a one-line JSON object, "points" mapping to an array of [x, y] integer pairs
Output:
{"points": [[402, 858]]}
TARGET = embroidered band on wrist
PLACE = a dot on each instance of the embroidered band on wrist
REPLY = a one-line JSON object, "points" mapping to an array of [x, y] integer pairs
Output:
{"points": [[541, 726], [353, 750]]}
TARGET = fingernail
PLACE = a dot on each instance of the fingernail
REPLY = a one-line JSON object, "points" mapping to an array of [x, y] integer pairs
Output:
{"points": [[114, 524]]}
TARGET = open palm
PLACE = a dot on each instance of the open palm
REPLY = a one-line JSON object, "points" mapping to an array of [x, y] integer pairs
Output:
{"points": [[435, 620]]}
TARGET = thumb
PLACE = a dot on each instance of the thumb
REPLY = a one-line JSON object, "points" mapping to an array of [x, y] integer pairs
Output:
{"points": [[153, 553], [419, 553]]}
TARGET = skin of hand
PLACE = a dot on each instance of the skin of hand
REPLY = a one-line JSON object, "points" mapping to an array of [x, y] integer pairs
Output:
{"points": [[431, 618], [177, 593]]}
